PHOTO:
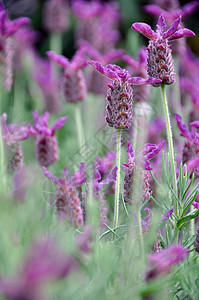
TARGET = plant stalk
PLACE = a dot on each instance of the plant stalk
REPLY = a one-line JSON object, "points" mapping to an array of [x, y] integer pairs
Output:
{"points": [[171, 148], [117, 187], [79, 125]]}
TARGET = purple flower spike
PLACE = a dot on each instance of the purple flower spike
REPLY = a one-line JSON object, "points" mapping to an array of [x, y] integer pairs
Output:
{"points": [[161, 263], [46, 141], [73, 83], [44, 263], [167, 214], [67, 202], [119, 110], [171, 13], [56, 17], [190, 154], [160, 63], [12, 135]]}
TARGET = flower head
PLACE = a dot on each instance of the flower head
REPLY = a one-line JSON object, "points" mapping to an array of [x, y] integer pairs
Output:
{"points": [[67, 202], [119, 110], [190, 154], [46, 141], [161, 263], [74, 83], [160, 63], [12, 135]]}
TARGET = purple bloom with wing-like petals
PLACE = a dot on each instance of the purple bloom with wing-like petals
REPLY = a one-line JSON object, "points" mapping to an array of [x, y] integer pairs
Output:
{"points": [[46, 140], [139, 68], [12, 135], [74, 83], [56, 17], [44, 263], [149, 152], [67, 200], [173, 13], [160, 63], [161, 263], [97, 23], [190, 154], [119, 109], [7, 29]]}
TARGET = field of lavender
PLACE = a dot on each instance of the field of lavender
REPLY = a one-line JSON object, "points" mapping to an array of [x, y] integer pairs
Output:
{"points": [[99, 150]]}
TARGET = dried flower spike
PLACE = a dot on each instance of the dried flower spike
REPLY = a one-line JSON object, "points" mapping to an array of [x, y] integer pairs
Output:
{"points": [[159, 62], [119, 109]]}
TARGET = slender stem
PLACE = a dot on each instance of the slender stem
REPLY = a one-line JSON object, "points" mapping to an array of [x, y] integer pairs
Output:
{"points": [[56, 42], [192, 223], [79, 125], [140, 231], [170, 142], [117, 187]]}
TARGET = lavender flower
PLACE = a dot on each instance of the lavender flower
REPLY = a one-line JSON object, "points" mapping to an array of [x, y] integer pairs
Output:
{"points": [[7, 29], [171, 12], [139, 68], [97, 24], [98, 192], [74, 84], [56, 17], [150, 151], [67, 200], [44, 263], [161, 263], [95, 82], [12, 135], [43, 74], [190, 154], [46, 141], [119, 110], [159, 62]]}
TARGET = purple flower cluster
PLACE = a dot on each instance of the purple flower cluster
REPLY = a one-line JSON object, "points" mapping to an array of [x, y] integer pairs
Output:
{"points": [[190, 154], [46, 140], [119, 109], [74, 83], [150, 151], [159, 62], [12, 135], [67, 201]]}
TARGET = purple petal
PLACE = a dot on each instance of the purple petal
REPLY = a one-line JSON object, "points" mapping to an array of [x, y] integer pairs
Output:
{"points": [[145, 29], [153, 10], [167, 214], [130, 151], [97, 65], [130, 61], [110, 178], [113, 55], [35, 116], [195, 124], [161, 24], [189, 8], [172, 29], [16, 24], [156, 150], [193, 164], [195, 204], [183, 128], [142, 81], [59, 59], [180, 33], [50, 176], [59, 123], [142, 56]]}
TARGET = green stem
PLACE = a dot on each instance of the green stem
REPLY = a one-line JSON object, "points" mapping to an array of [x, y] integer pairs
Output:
{"points": [[56, 42], [117, 187], [140, 231], [171, 148], [79, 125]]}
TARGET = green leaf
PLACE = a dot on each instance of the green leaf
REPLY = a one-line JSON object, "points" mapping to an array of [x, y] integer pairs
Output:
{"points": [[186, 219]]}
